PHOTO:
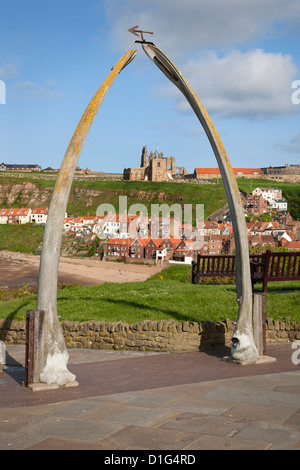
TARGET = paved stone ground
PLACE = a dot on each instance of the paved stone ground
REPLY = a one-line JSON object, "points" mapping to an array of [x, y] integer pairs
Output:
{"points": [[161, 402]]}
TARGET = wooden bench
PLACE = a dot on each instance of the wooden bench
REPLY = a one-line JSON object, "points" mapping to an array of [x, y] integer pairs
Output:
{"points": [[275, 266], [216, 266], [266, 267]]}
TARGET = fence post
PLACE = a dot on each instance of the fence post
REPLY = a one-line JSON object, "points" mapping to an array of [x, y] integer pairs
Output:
{"points": [[259, 322], [35, 341], [2, 355]]}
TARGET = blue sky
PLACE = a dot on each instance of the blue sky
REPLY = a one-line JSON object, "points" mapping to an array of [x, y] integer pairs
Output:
{"points": [[240, 56]]}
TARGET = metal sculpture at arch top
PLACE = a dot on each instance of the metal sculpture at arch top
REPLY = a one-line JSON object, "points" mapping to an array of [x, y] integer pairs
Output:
{"points": [[243, 345]]}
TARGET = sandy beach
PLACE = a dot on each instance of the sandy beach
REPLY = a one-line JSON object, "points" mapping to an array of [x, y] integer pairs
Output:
{"points": [[17, 269]]}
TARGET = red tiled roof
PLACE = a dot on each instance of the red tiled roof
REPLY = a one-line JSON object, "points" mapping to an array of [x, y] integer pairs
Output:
{"points": [[294, 245], [119, 241], [19, 212], [4, 212], [40, 210], [204, 171]]}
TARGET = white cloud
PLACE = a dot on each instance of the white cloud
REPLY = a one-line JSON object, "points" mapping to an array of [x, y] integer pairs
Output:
{"points": [[8, 71], [183, 26], [31, 91], [253, 84]]}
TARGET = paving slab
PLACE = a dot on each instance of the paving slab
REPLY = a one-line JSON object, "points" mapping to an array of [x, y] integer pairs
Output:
{"points": [[205, 424], [145, 438], [176, 402], [255, 397], [264, 431], [257, 412], [211, 442]]}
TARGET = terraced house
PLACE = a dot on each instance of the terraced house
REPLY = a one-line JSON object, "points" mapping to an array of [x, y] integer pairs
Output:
{"points": [[39, 215], [15, 216]]}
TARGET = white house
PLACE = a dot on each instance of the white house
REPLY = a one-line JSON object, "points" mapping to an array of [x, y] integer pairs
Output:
{"points": [[111, 226], [24, 216], [18, 216], [73, 223], [261, 228], [39, 215], [4, 216], [280, 205], [268, 193]]}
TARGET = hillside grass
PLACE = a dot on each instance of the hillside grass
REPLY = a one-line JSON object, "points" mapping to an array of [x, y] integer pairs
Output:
{"points": [[212, 196], [24, 238], [167, 295]]}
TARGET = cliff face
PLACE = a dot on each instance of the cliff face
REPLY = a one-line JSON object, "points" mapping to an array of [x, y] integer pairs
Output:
{"points": [[29, 194], [26, 194]]}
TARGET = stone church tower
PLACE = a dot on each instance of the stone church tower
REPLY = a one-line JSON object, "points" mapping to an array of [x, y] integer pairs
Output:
{"points": [[144, 158], [154, 167]]}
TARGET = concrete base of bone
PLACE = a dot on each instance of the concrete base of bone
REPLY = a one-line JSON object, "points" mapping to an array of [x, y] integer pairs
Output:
{"points": [[40, 387], [55, 371], [259, 361], [243, 348]]}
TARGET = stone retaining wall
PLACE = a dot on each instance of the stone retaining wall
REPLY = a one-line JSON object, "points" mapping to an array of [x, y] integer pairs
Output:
{"points": [[165, 335]]}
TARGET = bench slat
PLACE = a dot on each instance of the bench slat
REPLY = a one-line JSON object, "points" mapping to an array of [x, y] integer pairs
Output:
{"points": [[269, 266]]}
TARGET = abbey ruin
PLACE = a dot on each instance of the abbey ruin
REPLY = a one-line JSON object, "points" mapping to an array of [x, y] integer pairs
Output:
{"points": [[154, 167]]}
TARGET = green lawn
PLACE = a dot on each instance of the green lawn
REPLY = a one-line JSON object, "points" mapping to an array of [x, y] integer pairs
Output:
{"points": [[24, 238], [169, 295]]}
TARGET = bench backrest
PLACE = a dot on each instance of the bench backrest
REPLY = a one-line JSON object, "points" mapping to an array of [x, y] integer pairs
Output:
{"points": [[279, 265], [212, 265], [283, 265], [220, 264]]}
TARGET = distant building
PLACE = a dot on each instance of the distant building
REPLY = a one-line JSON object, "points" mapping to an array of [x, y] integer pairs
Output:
{"points": [[273, 196], [255, 204], [15, 216], [39, 215], [19, 167], [210, 173], [287, 172], [280, 205], [154, 167], [49, 169], [268, 193]]}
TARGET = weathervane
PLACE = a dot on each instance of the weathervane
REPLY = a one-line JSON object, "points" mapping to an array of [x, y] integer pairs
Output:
{"points": [[135, 31]]}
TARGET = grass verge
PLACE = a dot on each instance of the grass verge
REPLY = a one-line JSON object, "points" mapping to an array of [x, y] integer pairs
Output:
{"points": [[168, 295], [23, 238]]}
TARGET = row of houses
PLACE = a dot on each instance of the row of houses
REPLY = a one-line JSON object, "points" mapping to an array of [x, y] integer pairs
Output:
{"points": [[19, 167], [172, 249], [24, 215], [26, 167], [132, 226], [216, 239], [265, 200]]}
